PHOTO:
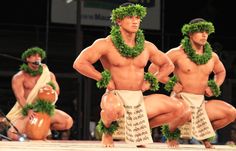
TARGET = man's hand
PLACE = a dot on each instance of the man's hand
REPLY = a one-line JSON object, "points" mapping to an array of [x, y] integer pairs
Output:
{"points": [[31, 114], [146, 86], [208, 92], [178, 87], [111, 85]]}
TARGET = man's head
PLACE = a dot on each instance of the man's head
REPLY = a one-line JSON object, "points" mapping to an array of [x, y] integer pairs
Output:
{"points": [[128, 9], [33, 51], [198, 25]]}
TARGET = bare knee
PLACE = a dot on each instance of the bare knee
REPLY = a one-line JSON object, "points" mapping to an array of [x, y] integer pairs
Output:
{"points": [[12, 135], [179, 108], [108, 116], [231, 114], [69, 122]]}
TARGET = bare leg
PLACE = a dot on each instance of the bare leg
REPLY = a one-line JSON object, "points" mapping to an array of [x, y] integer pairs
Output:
{"points": [[20, 125], [222, 115], [162, 109], [207, 144], [61, 121], [112, 109], [181, 120], [173, 143], [107, 139]]}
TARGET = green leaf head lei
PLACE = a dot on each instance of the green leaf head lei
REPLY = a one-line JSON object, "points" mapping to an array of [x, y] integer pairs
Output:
{"points": [[32, 51], [198, 25], [128, 10], [29, 52]]}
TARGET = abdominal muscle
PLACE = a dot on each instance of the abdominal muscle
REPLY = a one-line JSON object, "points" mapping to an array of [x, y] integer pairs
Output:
{"points": [[193, 84], [128, 79]]}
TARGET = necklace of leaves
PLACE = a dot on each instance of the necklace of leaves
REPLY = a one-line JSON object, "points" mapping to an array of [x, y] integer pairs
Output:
{"points": [[124, 49], [197, 58], [27, 69]]}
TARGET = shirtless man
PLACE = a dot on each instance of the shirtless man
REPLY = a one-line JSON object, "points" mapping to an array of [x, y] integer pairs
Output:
{"points": [[124, 54], [32, 75], [194, 61]]}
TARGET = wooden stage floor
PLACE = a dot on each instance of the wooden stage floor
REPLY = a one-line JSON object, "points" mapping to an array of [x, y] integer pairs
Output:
{"points": [[96, 146]]}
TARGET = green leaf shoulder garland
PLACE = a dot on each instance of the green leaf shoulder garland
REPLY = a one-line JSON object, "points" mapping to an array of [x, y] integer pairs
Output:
{"points": [[197, 58], [24, 67], [127, 51], [124, 49], [201, 59]]}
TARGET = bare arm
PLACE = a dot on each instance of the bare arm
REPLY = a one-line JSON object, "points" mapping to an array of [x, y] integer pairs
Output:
{"points": [[219, 71], [161, 65], [53, 79], [171, 55], [18, 89], [84, 62]]}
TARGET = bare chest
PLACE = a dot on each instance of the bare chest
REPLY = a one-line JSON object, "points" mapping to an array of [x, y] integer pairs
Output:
{"points": [[114, 58], [30, 82], [185, 65]]}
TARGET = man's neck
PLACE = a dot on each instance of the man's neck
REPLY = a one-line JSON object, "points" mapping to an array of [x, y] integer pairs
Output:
{"points": [[128, 37], [198, 48]]}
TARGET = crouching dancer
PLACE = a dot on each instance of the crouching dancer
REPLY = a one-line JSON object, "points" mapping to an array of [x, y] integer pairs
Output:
{"points": [[194, 61], [124, 54], [33, 78]]}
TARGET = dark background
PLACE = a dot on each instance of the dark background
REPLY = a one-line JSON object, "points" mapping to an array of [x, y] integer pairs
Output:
{"points": [[26, 23]]}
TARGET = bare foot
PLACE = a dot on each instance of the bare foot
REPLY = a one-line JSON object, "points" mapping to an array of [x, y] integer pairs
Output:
{"points": [[107, 140], [208, 144], [173, 143]]}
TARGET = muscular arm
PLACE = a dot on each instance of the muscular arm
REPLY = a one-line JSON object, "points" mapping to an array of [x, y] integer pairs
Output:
{"points": [[53, 79], [84, 62], [18, 89], [219, 70], [171, 55], [161, 65]]}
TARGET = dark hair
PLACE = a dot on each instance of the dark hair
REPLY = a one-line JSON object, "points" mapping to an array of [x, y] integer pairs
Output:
{"points": [[126, 4], [197, 20]]}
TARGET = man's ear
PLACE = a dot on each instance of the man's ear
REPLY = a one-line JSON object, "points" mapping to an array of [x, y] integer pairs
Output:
{"points": [[118, 22]]}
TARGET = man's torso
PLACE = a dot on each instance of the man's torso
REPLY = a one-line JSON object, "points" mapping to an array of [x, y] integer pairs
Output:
{"points": [[127, 73], [193, 77]]}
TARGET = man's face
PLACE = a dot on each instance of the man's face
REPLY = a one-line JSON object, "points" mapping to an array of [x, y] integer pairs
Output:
{"points": [[130, 23], [199, 38], [33, 58]]}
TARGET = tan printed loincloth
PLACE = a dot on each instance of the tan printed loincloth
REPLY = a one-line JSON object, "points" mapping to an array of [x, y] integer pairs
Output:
{"points": [[134, 127], [200, 126]]}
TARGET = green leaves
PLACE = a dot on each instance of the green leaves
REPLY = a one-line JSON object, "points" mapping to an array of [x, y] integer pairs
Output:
{"points": [[197, 58], [124, 49]]}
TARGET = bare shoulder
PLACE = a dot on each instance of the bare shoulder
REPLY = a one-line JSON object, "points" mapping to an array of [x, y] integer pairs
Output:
{"points": [[52, 75], [18, 76], [100, 45], [175, 51], [149, 46], [102, 42], [215, 57]]}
